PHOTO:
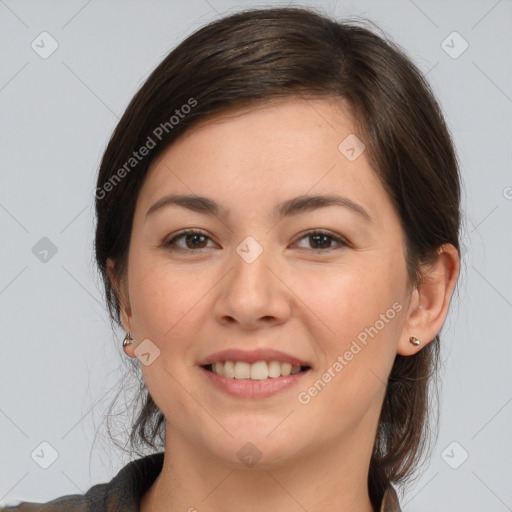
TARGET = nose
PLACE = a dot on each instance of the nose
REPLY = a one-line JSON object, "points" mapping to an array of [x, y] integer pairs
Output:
{"points": [[252, 295]]}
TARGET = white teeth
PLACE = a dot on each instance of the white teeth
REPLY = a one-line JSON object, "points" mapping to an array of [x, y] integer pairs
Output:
{"points": [[274, 369], [229, 369], [286, 369], [242, 370], [260, 370]]}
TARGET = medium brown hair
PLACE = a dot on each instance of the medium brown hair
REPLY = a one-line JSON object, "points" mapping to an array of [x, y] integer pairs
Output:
{"points": [[265, 54]]}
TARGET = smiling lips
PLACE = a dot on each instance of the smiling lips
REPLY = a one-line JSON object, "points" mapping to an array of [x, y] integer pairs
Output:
{"points": [[253, 374]]}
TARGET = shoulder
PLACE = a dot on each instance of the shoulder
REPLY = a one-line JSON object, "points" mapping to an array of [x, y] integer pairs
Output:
{"points": [[123, 492], [75, 502]]}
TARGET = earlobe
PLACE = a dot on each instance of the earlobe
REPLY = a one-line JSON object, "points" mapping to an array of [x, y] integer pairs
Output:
{"points": [[430, 301], [128, 341]]}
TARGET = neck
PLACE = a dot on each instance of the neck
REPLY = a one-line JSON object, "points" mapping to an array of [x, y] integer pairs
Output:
{"points": [[331, 479]]}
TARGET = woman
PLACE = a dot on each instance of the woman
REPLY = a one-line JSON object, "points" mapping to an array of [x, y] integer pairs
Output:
{"points": [[278, 234]]}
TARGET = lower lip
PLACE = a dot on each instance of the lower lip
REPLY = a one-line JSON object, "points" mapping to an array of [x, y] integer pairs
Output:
{"points": [[245, 388]]}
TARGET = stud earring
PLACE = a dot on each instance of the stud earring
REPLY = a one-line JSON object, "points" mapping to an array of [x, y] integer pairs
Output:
{"points": [[415, 341], [128, 340]]}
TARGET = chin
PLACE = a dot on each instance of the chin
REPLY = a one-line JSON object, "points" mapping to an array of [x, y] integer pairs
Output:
{"points": [[257, 450]]}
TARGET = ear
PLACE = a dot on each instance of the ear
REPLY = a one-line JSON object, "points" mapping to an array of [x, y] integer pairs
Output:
{"points": [[121, 294], [430, 300]]}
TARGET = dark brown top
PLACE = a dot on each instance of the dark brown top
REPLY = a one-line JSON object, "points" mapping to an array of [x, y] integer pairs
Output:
{"points": [[124, 491]]}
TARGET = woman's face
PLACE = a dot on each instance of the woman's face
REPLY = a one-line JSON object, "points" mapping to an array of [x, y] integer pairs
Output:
{"points": [[278, 274]]}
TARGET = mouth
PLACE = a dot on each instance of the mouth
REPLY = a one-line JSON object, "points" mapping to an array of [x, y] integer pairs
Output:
{"points": [[258, 371]]}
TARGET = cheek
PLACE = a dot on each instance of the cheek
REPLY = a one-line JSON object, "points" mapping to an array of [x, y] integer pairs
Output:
{"points": [[342, 301], [364, 310], [166, 308], [351, 382], [164, 297]]}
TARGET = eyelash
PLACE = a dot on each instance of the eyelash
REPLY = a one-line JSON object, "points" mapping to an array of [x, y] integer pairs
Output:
{"points": [[342, 242]]}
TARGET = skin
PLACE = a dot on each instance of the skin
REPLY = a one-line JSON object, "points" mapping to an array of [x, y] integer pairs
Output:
{"points": [[293, 297]]}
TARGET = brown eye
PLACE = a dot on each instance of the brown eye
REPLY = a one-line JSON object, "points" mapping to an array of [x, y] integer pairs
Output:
{"points": [[189, 240], [322, 241]]}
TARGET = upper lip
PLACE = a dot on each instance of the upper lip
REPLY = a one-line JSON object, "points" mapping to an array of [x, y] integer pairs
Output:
{"points": [[253, 356]]}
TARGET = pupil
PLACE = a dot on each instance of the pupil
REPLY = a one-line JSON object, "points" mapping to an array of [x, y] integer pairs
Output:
{"points": [[317, 237], [195, 237]]}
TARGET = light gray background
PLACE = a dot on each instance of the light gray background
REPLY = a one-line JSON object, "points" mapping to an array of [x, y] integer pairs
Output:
{"points": [[60, 361]]}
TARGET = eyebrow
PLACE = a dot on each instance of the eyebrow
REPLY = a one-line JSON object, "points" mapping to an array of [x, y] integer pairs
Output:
{"points": [[290, 207]]}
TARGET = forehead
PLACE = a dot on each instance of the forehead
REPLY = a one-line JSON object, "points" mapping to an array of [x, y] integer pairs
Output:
{"points": [[267, 152]]}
